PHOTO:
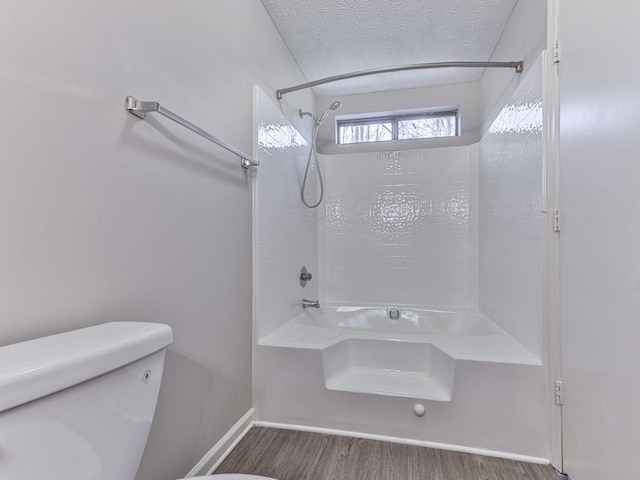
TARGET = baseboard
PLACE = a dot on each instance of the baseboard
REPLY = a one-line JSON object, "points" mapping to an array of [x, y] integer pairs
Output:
{"points": [[406, 441], [223, 447]]}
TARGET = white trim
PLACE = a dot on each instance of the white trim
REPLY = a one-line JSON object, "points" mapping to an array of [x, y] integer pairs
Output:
{"points": [[224, 446], [553, 337], [406, 441]]}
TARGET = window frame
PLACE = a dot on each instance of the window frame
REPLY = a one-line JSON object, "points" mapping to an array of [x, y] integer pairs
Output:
{"points": [[394, 119]]}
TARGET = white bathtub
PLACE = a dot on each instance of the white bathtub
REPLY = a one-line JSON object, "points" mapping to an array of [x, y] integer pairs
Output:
{"points": [[364, 350], [412, 321], [462, 334]]}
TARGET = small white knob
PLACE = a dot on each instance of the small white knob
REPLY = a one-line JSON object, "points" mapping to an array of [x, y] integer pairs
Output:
{"points": [[418, 409]]}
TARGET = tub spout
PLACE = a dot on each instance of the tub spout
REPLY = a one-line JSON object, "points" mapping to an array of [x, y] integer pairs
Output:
{"points": [[310, 303]]}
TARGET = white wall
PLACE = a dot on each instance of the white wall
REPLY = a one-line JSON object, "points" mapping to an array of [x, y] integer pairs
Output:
{"points": [[400, 227], [524, 37], [511, 214], [600, 258], [464, 95], [285, 231], [106, 217]]}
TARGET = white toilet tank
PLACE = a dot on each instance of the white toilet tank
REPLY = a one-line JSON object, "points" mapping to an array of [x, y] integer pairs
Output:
{"points": [[79, 405]]}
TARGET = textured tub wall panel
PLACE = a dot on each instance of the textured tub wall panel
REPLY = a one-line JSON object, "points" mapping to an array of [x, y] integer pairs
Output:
{"points": [[494, 406], [397, 227], [511, 218], [106, 217], [286, 230], [474, 225], [523, 38]]}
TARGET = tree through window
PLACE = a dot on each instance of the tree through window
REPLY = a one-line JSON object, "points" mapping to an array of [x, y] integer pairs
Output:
{"points": [[431, 124]]}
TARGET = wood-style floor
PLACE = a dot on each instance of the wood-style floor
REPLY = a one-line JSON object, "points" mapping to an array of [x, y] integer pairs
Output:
{"points": [[291, 455]]}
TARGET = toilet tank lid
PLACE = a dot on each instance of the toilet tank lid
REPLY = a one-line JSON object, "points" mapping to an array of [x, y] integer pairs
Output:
{"points": [[35, 368]]}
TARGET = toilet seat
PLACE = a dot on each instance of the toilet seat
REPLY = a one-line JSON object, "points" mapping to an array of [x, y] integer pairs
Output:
{"points": [[230, 476]]}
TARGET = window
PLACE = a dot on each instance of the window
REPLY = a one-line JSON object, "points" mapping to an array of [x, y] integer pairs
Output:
{"points": [[430, 124]]}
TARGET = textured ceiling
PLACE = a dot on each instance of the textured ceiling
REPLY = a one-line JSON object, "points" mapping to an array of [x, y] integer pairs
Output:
{"points": [[329, 37]]}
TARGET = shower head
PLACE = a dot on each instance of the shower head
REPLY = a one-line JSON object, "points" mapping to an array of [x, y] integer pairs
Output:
{"points": [[334, 106]]}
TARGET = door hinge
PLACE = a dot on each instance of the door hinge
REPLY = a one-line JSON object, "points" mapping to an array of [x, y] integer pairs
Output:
{"points": [[556, 52], [558, 392], [557, 221]]}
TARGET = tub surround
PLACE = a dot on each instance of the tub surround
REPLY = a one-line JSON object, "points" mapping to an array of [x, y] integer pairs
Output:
{"points": [[403, 225], [511, 214], [398, 229], [284, 231]]}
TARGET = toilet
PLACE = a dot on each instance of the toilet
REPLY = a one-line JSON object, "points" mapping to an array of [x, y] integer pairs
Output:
{"points": [[79, 404]]}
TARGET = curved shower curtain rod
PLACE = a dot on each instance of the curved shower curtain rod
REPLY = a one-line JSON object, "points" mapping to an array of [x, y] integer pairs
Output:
{"points": [[416, 66]]}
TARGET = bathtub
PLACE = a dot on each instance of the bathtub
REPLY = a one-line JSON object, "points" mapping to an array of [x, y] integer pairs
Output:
{"points": [[367, 349], [411, 320], [462, 334]]}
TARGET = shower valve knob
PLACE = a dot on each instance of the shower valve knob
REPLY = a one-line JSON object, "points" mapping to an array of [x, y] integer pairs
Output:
{"points": [[305, 277]]}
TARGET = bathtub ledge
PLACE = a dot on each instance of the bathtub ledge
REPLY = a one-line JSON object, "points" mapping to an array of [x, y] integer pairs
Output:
{"points": [[495, 348]]}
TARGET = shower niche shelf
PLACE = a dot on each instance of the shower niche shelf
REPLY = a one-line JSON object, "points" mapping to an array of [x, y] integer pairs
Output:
{"points": [[392, 368]]}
